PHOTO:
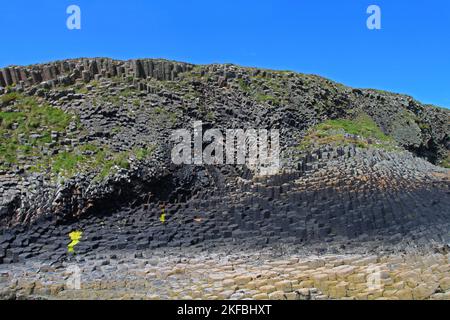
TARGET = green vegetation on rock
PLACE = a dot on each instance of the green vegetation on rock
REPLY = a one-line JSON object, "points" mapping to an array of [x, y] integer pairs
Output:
{"points": [[32, 135], [265, 89], [446, 162], [165, 115], [143, 153], [361, 131], [7, 98], [66, 162], [91, 158], [26, 128]]}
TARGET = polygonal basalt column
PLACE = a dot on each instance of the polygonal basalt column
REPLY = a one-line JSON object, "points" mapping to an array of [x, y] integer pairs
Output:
{"points": [[2, 80], [7, 76]]}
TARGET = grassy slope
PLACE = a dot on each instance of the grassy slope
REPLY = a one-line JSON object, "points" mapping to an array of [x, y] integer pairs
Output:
{"points": [[362, 131], [26, 129]]}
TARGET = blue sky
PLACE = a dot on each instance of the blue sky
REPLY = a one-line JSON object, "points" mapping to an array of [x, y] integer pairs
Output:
{"points": [[410, 54]]}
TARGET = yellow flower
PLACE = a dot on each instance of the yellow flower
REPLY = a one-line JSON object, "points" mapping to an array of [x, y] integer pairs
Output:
{"points": [[75, 236]]}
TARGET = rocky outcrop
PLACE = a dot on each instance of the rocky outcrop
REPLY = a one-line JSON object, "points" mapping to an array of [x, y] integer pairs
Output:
{"points": [[85, 145], [119, 116], [301, 100], [229, 272], [67, 72], [333, 195]]}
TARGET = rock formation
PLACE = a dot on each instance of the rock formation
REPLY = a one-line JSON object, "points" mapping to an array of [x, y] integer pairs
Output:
{"points": [[85, 144]]}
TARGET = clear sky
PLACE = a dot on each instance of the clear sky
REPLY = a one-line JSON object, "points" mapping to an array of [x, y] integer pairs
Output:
{"points": [[410, 54]]}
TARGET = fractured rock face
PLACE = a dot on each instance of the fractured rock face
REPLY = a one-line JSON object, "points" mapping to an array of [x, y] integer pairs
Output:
{"points": [[109, 159], [87, 69], [390, 200]]}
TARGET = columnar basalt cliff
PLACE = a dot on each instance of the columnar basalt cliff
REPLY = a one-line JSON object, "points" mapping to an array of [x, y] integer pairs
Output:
{"points": [[69, 71], [85, 138], [85, 144], [419, 128]]}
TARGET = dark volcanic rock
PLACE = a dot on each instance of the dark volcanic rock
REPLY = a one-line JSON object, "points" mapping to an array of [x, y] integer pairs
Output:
{"points": [[109, 162]]}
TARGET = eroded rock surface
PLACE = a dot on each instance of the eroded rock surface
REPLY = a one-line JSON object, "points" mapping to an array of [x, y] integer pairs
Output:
{"points": [[85, 145], [230, 273]]}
